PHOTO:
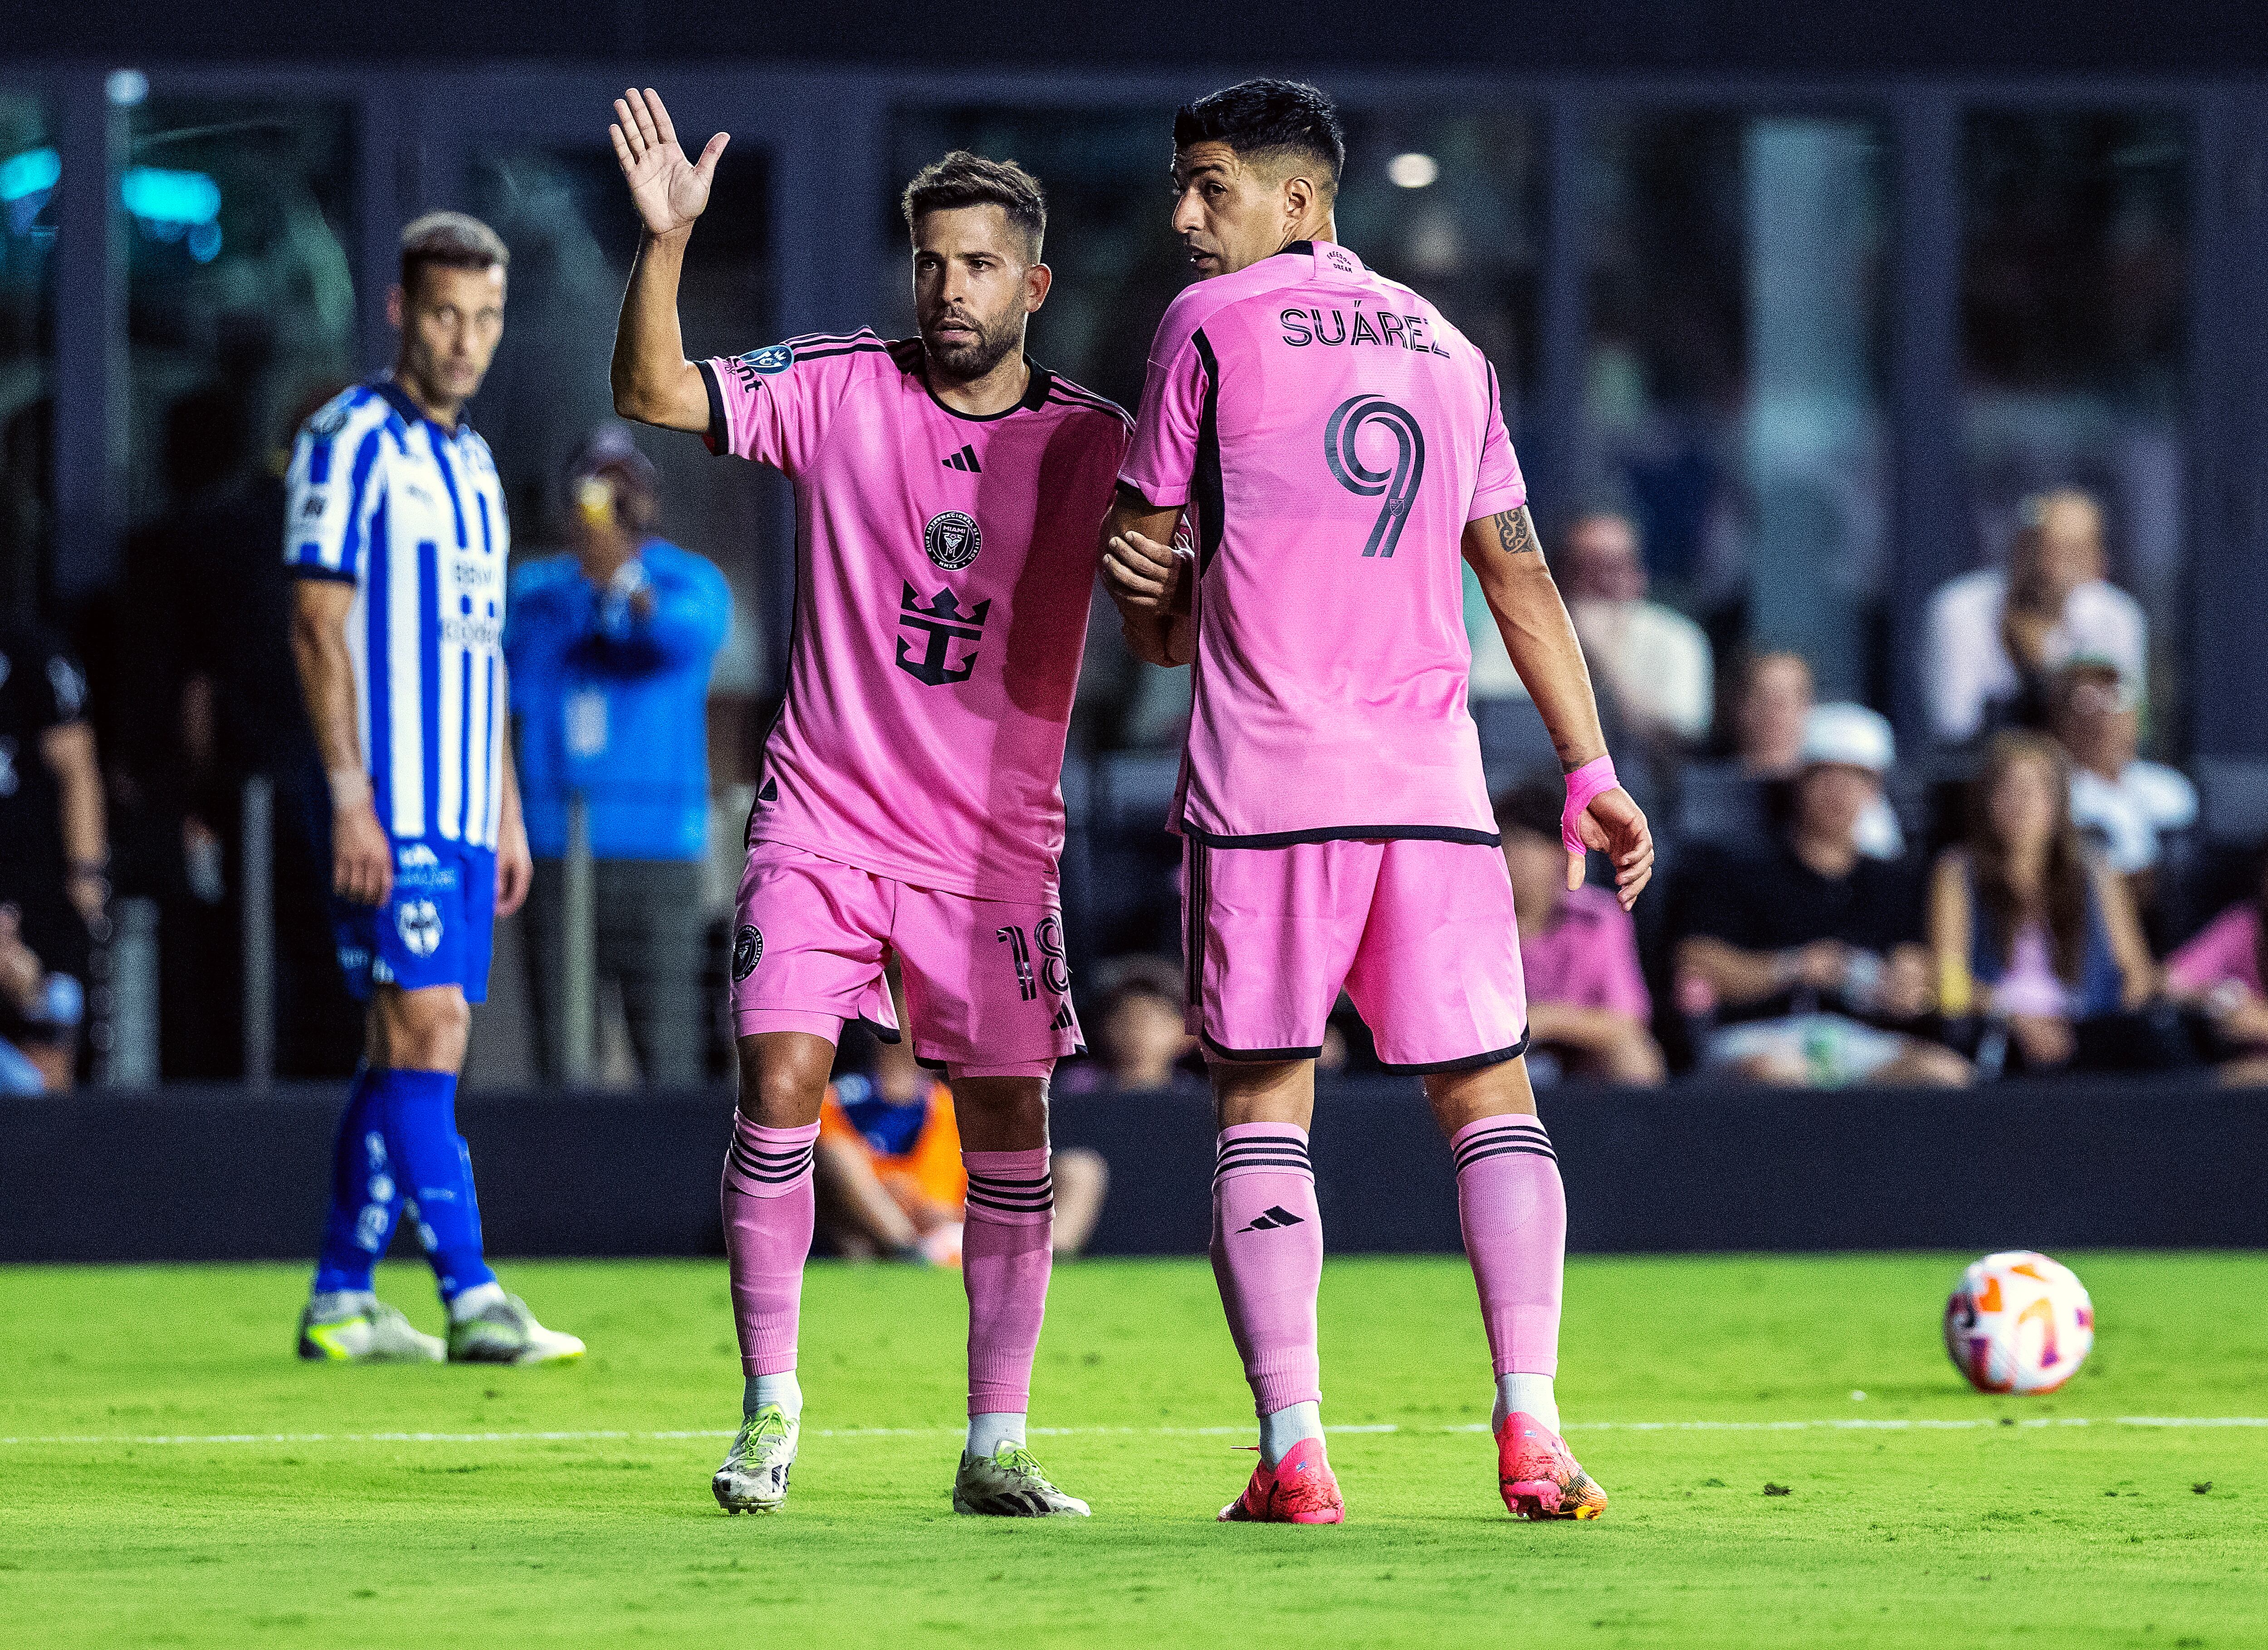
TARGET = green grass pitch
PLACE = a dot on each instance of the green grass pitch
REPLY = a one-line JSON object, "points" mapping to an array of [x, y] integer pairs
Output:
{"points": [[170, 1476]]}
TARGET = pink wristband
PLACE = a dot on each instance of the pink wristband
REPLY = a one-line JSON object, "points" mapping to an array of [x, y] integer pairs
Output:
{"points": [[1588, 783]]}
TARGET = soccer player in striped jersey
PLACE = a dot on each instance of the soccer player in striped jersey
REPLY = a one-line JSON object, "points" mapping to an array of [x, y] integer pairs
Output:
{"points": [[396, 533], [947, 489], [1342, 450]]}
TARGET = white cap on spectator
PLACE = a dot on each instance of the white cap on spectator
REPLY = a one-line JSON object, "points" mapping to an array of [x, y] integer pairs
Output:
{"points": [[1848, 735]]}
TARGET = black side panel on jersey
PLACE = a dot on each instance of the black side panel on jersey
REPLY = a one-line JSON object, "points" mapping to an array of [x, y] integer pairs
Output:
{"points": [[1206, 483], [718, 437]]}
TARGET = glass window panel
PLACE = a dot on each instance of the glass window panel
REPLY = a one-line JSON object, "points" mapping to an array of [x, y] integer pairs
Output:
{"points": [[2074, 317], [1735, 369], [239, 290], [28, 173], [572, 233]]}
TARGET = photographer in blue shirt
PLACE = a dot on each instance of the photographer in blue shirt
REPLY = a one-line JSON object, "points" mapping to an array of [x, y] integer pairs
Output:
{"points": [[610, 648]]}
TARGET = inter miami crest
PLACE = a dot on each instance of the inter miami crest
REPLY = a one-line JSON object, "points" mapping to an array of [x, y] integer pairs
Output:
{"points": [[748, 950], [952, 539], [421, 926]]}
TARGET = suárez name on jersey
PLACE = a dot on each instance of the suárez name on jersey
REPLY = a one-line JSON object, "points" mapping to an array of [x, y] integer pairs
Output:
{"points": [[1326, 327]]}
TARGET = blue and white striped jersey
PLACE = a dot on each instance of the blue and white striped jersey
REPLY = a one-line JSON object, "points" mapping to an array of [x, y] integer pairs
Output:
{"points": [[412, 515]]}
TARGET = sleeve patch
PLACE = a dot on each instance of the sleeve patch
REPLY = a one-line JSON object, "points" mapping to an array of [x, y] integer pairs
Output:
{"points": [[773, 357]]}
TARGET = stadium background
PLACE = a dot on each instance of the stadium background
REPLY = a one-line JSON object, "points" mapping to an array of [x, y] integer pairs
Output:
{"points": [[1821, 292]]}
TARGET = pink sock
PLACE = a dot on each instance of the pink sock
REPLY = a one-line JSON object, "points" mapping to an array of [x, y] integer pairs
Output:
{"points": [[1514, 1214], [1268, 1256], [768, 1214], [1005, 1257]]}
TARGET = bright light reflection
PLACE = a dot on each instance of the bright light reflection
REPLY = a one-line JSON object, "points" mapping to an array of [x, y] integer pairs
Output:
{"points": [[1413, 171]]}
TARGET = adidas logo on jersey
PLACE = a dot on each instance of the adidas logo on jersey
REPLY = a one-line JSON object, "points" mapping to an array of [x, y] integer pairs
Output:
{"points": [[1276, 1215], [964, 460]]}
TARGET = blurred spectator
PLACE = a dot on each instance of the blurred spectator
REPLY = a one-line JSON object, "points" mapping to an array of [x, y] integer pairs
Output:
{"points": [[2035, 933], [610, 648], [2120, 801], [1770, 710], [40, 1015], [1588, 1007], [1770, 713], [2218, 975], [55, 846], [1808, 951], [1994, 635], [890, 1176], [1141, 1037], [1653, 659]]}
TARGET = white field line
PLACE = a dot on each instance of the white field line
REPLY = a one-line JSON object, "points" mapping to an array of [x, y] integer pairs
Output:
{"points": [[1892, 1426]]}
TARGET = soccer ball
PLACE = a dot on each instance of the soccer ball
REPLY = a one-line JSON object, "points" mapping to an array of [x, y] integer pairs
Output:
{"points": [[2019, 1323]]}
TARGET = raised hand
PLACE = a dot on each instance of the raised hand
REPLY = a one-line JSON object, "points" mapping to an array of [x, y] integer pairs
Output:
{"points": [[668, 190]]}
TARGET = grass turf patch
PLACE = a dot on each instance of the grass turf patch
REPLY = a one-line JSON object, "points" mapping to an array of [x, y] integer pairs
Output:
{"points": [[559, 1510]]}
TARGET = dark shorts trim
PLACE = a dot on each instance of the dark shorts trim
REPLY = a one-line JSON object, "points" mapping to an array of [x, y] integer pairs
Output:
{"points": [[1256, 1057], [1347, 833], [1470, 1063]]}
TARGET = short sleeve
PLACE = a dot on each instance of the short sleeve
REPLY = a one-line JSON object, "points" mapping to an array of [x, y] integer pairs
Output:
{"points": [[1499, 485], [1163, 457], [772, 405], [326, 494]]}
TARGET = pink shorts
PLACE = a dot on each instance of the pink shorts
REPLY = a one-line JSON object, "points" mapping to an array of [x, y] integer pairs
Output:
{"points": [[1419, 933], [986, 983]]}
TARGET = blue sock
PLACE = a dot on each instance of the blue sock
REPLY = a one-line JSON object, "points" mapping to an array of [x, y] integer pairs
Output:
{"points": [[420, 1108], [366, 1200]]}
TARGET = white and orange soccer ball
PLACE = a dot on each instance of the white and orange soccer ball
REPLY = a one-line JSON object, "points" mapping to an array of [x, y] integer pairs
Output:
{"points": [[2019, 1323]]}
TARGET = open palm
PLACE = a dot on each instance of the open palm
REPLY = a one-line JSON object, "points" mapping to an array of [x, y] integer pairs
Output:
{"points": [[668, 190]]}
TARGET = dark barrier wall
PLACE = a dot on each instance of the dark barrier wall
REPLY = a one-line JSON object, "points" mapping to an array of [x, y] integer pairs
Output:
{"points": [[213, 1175]]}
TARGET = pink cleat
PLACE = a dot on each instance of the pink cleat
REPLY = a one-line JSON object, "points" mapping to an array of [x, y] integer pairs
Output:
{"points": [[1296, 1489], [1539, 1478]]}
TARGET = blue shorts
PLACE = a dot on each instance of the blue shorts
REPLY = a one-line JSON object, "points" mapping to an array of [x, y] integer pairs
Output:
{"points": [[435, 928]]}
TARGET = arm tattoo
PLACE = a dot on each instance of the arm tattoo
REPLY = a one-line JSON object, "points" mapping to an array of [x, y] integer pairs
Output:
{"points": [[1512, 535]]}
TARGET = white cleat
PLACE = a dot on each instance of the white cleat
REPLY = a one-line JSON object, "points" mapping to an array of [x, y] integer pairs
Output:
{"points": [[1008, 1484], [505, 1331], [754, 1477], [361, 1328]]}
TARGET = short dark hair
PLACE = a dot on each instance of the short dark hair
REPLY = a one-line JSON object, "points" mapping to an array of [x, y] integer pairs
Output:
{"points": [[1267, 117], [1536, 804], [965, 179], [453, 240]]}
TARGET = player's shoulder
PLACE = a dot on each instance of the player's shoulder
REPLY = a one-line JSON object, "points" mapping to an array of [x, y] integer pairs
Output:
{"points": [[1082, 408], [348, 416], [819, 356], [1204, 301]]}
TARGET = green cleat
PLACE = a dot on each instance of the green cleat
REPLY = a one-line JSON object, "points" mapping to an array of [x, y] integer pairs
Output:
{"points": [[1008, 1484], [754, 1477], [505, 1331], [361, 1328]]}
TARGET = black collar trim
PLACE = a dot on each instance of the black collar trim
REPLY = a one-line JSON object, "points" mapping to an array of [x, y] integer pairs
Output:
{"points": [[398, 398], [1035, 395]]}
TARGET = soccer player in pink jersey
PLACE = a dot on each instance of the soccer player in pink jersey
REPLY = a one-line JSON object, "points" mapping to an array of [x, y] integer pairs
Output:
{"points": [[945, 490], [1338, 444]]}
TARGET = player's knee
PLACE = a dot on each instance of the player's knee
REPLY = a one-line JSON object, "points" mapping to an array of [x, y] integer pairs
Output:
{"points": [[783, 1078], [425, 1030]]}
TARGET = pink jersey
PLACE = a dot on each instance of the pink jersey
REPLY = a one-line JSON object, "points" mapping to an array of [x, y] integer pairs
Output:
{"points": [[1333, 435], [943, 568]]}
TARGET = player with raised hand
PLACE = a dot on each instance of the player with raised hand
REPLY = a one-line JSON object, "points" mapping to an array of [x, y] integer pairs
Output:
{"points": [[947, 488], [1338, 444], [397, 538]]}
